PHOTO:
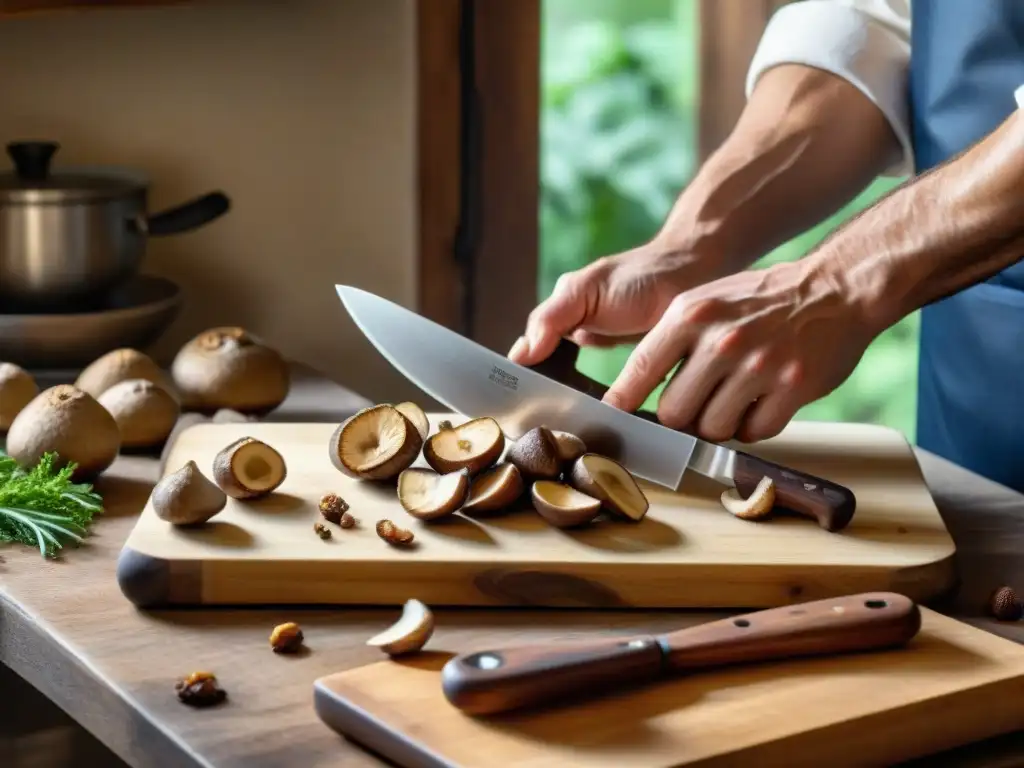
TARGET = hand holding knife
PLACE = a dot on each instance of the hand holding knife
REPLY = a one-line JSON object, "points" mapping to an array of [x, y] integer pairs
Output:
{"points": [[475, 381]]}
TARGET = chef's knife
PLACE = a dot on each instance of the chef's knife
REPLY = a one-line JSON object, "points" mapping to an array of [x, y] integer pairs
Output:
{"points": [[475, 381], [505, 679]]}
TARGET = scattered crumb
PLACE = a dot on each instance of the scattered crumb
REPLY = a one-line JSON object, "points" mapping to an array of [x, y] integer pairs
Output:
{"points": [[200, 689], [322, 531], [286, 638]]}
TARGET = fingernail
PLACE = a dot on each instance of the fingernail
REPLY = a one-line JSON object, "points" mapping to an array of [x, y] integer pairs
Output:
{"points": [[519, 347]]}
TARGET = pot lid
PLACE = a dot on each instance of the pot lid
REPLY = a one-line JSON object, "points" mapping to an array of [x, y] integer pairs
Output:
{"points": [[33, 181]]}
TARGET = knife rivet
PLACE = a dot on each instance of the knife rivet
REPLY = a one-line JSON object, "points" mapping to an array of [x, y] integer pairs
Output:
{"points": [[636, 643], [809, 486]]}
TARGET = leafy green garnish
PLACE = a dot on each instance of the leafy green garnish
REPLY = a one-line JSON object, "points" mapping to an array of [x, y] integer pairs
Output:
{"points": [[42, 506]]}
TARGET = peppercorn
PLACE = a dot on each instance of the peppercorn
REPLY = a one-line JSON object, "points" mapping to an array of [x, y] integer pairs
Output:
{"points": [[286, 638], [1004, 605], [347, 521], [322, 531]]}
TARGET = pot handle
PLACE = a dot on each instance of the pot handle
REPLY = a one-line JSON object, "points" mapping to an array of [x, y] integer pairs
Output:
{"points": [[187, 216]]}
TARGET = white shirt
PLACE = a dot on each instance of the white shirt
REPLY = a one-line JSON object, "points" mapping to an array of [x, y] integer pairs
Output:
{"points": [[865, 42]]}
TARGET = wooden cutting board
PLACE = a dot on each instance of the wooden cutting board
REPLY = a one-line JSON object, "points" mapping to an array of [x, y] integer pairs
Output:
{"points": [[687, 552], [953, 685]]}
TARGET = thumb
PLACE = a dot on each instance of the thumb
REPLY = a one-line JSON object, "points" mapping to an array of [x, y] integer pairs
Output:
{"points": [[553, 318]]}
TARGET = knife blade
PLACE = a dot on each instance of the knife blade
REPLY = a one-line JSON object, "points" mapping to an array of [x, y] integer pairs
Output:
{"points": [[537, 675], [475, 381]]}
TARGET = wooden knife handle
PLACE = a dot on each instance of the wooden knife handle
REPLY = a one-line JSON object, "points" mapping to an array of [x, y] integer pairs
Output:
{"points": [[530, 675], [500, 680], [831, 504], [868, 621]]}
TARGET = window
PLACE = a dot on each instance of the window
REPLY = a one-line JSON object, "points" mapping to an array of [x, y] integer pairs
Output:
{"points": [[621, 118]]}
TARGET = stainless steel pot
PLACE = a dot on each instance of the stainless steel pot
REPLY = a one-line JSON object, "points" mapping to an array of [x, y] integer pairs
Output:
{"points": [[68, 238]]}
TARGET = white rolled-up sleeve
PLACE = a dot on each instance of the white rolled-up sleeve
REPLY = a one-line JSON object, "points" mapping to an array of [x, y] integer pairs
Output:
{"points": [[865, 42]]}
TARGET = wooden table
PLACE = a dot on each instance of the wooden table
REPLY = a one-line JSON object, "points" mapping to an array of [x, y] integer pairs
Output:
{"points": [[67, 630]]}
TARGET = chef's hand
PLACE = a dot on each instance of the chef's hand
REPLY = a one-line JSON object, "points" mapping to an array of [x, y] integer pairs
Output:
{"points": [[614, 300], [758, 345]]}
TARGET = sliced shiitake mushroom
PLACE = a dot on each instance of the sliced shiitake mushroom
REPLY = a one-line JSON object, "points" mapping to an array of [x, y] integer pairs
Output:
{"points": [[415, 414], [757, 506], [569, 446], [248, 469], [377, 443], [409, 634], [562, 505], [497, 488], [187, 497], [475, 445], [609, 481], [536, 455], [427, 495]]}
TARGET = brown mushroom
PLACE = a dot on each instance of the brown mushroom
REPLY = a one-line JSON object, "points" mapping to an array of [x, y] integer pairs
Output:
{"points": [[377, 443], [248, 468], [562, 505], [475, 445], [609, 481], [496, 488], [757, 506], [427, 495]]}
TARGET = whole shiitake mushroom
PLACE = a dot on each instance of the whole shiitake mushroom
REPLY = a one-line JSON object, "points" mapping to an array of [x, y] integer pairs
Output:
{"points": [[17, 388], [228, 367], [145, 412], [119, 365], [69, 422]]}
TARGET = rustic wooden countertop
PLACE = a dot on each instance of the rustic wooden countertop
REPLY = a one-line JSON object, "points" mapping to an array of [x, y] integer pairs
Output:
{"points": [[66, 628]]}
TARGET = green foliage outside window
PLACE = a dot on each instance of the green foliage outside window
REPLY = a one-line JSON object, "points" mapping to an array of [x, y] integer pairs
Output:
{"points": [[619, 138]]}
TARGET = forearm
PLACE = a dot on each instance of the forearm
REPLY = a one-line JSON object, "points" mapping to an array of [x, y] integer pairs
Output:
{"points": [[806, 143], [948, 230]]}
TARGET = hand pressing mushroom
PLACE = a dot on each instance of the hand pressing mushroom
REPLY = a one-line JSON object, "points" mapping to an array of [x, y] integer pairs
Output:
{"points": [[17, 388], [611, 483], [186, 497], [409, 634], [428, 495], [475, 445], [249, 469], [377, 443], [145, 412], [562, 505], [497, 488]]}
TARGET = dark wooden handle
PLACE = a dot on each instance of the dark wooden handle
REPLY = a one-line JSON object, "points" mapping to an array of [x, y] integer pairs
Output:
{"points": [[512, 678], [869, 621], [495, 681], [831, 504]]}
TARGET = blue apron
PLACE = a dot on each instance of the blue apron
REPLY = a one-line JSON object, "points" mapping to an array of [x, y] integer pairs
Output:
{"points": [[967, 59]]}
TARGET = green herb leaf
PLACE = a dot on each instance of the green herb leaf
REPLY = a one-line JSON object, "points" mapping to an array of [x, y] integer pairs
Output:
{"points": [[42, 507]]}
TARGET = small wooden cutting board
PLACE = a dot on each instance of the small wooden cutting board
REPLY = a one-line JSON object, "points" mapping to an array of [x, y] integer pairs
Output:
{"points": [[687, 552], [953, 685]]}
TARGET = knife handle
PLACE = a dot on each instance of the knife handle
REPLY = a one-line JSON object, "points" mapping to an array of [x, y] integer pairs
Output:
{"points": [[831, 504], [847, 624], [501, 680]]}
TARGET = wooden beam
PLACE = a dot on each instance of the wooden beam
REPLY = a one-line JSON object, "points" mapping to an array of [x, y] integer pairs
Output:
{"points": [[479, 169], [439, 295], [729, 33], [505, 264]]}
